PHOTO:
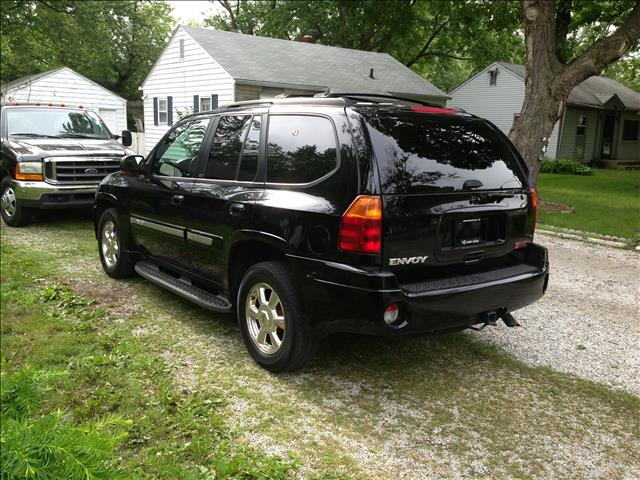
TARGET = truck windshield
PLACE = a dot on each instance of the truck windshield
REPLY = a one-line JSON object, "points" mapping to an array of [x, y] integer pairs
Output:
{"points": [[55, 123], [419, 153]]}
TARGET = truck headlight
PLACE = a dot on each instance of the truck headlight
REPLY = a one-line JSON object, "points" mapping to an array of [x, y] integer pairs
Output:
{"points": [[29, 171]]}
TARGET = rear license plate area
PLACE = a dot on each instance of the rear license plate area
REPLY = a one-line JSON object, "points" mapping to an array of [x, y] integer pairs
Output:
{"points": [[462, 232], [469, 232]]}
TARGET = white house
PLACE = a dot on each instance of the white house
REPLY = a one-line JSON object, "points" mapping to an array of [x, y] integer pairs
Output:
{"points": [[68, 87], [601, 121], [200, 69]]}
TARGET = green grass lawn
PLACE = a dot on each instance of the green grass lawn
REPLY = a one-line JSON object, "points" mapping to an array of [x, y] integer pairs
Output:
{"points": [[200, 409], [607, 202]]}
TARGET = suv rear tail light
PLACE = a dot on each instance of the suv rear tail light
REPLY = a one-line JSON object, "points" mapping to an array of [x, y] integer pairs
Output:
{"points": [[534, 205], [361, 228]]}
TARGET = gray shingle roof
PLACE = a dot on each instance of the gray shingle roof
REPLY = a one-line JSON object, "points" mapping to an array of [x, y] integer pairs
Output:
{"points": [[593, 92], [269, 60]]}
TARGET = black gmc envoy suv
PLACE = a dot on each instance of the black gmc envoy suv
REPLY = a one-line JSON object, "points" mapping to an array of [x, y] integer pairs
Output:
{"points": [[341, 213]]}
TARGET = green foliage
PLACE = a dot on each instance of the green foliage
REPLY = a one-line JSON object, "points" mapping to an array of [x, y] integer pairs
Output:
{"points": [[114, 43], [626, 71], [51, 446], [443, 41], [570, 167]]}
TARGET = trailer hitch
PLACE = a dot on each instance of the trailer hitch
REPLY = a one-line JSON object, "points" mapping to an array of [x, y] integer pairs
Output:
{"points": [[490, 319]]}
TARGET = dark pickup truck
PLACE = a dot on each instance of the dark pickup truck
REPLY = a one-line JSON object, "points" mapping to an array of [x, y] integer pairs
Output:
{"points": [[345, 213], [53, 157]]}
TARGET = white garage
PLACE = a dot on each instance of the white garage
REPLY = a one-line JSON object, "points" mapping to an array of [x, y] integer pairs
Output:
{"points": [[68, 87]]}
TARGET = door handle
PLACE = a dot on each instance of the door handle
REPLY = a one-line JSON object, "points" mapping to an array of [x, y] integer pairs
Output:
{"points": [[237, 209], [177, 199]]}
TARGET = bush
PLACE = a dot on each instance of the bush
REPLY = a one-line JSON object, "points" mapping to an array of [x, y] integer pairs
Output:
{"points": [[49, 445], [568, 167]]}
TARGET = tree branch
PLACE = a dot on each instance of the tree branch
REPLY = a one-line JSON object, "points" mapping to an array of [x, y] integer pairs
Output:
{"points": [[51, 7], [606, 50], [427, 44], [447, 55], [563, 19], [232, 17]]}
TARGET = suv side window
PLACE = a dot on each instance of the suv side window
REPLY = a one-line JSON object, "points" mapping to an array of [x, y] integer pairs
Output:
{"points": [[235, 149], [177, 154], [300, 148]]}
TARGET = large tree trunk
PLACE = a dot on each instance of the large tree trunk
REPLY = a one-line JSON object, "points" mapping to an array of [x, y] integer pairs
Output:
{"points": [[549, 81]]}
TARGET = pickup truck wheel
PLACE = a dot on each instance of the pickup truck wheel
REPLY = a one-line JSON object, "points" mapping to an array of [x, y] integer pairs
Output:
{"points": [[272, 323], [13, 213], [112, 246]]}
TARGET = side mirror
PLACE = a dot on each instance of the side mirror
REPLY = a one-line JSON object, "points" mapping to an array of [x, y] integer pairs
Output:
{"points": [[133, 164], [127, 139]]}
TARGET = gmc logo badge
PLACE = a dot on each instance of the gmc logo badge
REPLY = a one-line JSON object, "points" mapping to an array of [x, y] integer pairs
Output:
{"points": [[408, 260]]}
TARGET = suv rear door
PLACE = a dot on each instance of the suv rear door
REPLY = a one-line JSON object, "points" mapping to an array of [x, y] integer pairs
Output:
{"points": [[454, 189]]}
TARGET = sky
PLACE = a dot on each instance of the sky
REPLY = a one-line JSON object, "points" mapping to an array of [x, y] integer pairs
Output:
{"points": [[186, 10]]}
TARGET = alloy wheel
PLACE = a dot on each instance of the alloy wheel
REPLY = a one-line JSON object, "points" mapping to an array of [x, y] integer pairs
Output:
{"points": [[110, 244], [8, 202], [265, 317]]}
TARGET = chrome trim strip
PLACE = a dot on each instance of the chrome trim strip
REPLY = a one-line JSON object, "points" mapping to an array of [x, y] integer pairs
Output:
{"points": [[198, 238], [159, 227]]}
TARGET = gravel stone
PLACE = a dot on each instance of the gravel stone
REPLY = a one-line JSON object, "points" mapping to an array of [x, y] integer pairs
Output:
{"points": [[588, 323]]}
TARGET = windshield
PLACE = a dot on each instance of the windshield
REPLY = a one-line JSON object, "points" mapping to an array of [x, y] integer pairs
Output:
{"points": [[55, 123], [419, 153]]}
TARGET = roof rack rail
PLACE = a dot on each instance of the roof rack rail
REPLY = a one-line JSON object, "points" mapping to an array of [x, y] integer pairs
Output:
{"points": [[247, 103], [372, 96]]}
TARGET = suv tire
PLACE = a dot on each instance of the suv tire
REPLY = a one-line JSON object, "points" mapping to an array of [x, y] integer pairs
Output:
{"points": [[13, 214], [113, 246], [274, 328]]}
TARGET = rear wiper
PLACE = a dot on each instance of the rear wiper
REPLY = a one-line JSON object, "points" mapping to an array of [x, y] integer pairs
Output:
{"points": [[34, 135], [473, 183]]}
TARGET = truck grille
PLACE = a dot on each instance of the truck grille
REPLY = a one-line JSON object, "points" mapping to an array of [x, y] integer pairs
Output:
{"points": [[80, 170]]}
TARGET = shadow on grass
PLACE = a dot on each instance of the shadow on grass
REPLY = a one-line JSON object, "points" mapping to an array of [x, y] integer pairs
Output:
{"points": [[76, 218]]}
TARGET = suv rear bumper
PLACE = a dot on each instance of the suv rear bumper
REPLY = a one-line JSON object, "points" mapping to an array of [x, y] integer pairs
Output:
{"points": [[45, 195], [342, 298]]}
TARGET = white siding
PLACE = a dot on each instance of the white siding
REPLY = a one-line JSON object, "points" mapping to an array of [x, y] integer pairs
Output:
{"points": [[195, 74], [72, 89], [497, 103], [255, 92]]}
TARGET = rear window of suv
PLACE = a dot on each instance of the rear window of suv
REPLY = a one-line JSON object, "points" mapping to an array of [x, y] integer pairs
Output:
{"points": [[418, 153]]}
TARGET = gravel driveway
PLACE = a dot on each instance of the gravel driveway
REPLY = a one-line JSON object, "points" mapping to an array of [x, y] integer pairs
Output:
{"points": [[588, 323]]}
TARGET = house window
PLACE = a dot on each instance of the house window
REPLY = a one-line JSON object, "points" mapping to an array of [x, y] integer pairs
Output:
{"points": [[581, 125], [205, 104], [181, 48], [630, 130], [516, 116], [163, 114], [493, 77]]}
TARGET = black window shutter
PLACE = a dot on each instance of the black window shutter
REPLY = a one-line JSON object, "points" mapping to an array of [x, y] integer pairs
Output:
{"points": [[196, 103], [169, 110], [214, 102], [155, 110]]}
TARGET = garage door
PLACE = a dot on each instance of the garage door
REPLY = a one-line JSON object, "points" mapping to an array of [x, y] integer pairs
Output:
{"points": [[109, 117]]}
